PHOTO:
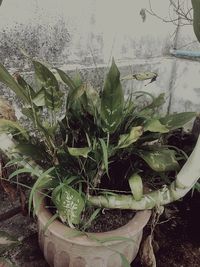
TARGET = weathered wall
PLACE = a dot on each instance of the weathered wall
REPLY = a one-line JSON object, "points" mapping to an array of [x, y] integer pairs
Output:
{"points": [[86, 34]]}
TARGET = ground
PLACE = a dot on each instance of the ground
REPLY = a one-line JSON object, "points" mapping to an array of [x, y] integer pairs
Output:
{"points": [[177, 235]]}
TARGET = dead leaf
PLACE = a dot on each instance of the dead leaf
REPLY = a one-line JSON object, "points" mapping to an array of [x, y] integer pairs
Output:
{"points": [[147, 254]]}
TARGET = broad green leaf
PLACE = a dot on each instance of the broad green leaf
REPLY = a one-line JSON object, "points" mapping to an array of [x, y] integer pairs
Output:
{"points": [[112, 100], [1, 2], [69, 204], [136, 185], [47, 80], [156, 103], [40, 98], [79, 151], [196, 18], [66, 79], [160, 160], [9, 81], [142, 76], [27, 88], [174, 121], [93, 99], [126, 140], [77, 80], [7, 241], [105, 154], [76, 99], [155, 126], [12, 127]]}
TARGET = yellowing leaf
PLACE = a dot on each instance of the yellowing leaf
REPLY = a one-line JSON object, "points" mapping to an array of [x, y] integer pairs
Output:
{"points": [[155, 126], [130, 138], [79, 151]]}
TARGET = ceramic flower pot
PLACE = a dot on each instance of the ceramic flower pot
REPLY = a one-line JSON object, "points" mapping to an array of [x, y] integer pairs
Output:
{"points": [[62, 249]]}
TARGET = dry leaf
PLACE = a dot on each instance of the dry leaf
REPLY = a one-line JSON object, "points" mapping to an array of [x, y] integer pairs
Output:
{"points": [[147, 254]]}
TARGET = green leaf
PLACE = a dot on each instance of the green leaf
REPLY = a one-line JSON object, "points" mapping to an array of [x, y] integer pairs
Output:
{"points": [[136, 185], [79, 151], [47, 80], [126, 140], [69, 204], [93, 100], [112, 100], [52, 219], [9, 81], [91, 219], [156, 103], [174, 121], [105, 154], [7, 241], [76, 99], [160, 160], [155, 126], [23, 170], [40, 98], [196, 18], [66, 79], [12, 127], [43, 179], [27, 88], [1, 2]]}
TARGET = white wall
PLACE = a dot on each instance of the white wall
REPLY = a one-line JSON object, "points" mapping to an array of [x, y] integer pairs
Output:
{"points": [[71, 33], [103, 28]]}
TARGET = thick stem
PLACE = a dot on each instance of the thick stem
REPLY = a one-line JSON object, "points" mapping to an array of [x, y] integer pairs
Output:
{"points": [[185, 180]]}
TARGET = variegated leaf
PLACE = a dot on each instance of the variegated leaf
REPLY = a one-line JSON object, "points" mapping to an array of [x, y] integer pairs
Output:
{"points": [[126, 140], [47, 80], [160, 160], [112, 100], [69, 204], [155, 126]]}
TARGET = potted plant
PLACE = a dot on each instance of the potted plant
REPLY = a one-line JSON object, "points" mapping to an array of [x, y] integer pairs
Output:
{"points": [[71, 154], [75, 149]]}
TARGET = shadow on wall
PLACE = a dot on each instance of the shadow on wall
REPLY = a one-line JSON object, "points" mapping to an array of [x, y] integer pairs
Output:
{"points": [[41, 41]]}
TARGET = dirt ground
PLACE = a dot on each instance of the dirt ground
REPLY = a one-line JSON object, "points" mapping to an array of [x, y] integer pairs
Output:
{"points": [[177, 235]]}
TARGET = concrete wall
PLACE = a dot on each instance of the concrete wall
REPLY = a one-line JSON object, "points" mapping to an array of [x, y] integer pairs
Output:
{"points": [[86, 34]]}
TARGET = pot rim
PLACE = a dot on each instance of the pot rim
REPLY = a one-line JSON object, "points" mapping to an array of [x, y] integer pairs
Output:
{"points": [[61, 231]]}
